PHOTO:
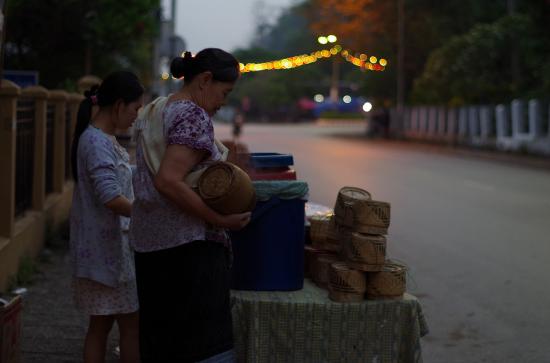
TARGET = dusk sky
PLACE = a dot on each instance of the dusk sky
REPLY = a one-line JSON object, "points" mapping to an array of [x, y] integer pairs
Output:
{"points": [[226, 24]]}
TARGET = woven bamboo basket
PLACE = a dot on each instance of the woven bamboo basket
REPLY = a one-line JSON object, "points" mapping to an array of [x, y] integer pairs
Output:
{"points": [[310, 254], [345, 283], [227, 189], [388, 283], [320, 267], [365, 252], [323, 233], [355, 209]]}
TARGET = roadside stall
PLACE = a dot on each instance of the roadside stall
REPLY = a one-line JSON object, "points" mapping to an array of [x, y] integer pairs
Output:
{"points": [[314, 284]]}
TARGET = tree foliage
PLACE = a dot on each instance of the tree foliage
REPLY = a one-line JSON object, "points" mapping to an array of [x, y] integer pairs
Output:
{"points": [[64, 39], [476, 67]]}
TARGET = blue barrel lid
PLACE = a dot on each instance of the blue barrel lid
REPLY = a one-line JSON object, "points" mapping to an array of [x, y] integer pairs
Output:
{"points": [[270, 160]]}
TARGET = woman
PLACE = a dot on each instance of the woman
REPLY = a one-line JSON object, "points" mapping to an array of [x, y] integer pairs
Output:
{"points": [[181, 244], [104, 278]]}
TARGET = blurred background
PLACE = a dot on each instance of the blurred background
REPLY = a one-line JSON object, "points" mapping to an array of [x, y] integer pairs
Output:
{"points": [[440, 108], [442, 53]]}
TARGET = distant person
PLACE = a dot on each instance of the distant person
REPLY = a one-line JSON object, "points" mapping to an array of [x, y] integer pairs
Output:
{"points": [[103, 267], [182, 246], [238, 123]]}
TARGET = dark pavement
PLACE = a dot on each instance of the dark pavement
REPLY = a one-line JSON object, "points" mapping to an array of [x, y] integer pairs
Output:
{"points": [[53, 330]]}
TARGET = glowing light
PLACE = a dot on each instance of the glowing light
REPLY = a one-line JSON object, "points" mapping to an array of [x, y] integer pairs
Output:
{"points": [[322, 40], [319, 98], [332, 38], [373, 59], [346, 99], [383, 62], [301, 60], [363, 57], [165, 76], [367, 106]]}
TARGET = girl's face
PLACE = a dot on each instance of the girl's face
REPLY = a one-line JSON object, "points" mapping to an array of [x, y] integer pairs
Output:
{"points": [[127, 113], [215, 95]]}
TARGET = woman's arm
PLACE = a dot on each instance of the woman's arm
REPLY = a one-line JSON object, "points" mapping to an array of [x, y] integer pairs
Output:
{"points": [[177, 162]]}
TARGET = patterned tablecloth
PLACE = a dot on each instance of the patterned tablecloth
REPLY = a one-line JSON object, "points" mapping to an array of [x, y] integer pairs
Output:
{"points": [[306, 326]]}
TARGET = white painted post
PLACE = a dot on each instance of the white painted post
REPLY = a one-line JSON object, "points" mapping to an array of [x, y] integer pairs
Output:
{"points": [[535, 118], [432, 122], [463, 122], [518, 124], [473, 122], [441, 119], [486, 122]]}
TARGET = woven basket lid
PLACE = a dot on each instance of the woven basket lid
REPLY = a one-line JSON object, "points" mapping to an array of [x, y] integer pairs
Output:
{"points": [[226, 188], [216, 181], [392, 266], [355, 193]]}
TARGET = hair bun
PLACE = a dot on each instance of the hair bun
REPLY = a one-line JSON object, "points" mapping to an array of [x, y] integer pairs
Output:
{"points": [[182, 66], [91, 92]]}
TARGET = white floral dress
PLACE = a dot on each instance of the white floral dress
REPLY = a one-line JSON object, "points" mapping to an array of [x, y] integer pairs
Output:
{"points": [[104, 276]]}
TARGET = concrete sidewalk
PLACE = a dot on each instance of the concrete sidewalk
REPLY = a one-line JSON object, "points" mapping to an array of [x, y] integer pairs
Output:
{"points": [[53, 330]]}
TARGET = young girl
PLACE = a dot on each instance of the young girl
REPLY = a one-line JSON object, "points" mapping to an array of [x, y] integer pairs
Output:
{"points": [[104, 277]]}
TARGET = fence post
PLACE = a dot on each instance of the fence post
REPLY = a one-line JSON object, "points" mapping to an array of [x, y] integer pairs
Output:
{"points": [[73, 102], [441, 120], [463, 122], [9, 92], [518, 121], [39, 95], [535, 118], [59, 99], [86, 82]]}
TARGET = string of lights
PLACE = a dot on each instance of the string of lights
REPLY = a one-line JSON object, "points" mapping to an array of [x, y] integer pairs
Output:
{"points": [[371, 63], [363, 61]]}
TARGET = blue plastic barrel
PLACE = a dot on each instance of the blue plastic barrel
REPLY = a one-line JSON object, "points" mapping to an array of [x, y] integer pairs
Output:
{"points": [[268, 254], [270, 160]]}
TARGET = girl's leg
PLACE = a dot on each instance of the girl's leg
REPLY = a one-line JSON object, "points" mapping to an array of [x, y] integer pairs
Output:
{"points": [[129, 337], [95, 344]]}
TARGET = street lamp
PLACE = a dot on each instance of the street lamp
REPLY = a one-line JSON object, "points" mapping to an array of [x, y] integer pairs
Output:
{"points": [[335, 67]]}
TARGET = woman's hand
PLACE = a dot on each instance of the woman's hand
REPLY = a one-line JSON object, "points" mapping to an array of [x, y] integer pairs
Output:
{"points": [[234, 222]]}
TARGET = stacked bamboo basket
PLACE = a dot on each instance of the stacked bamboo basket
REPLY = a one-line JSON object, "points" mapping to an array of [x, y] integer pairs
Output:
{"points": [[348, 251]]}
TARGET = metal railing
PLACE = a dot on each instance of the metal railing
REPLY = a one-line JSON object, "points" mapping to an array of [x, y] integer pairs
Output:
{"points": [[68, 141], [50, 124], [24, 154]]}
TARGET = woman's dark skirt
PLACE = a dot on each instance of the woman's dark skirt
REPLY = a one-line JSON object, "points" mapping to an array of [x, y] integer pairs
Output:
{"points": [[185, 313]]}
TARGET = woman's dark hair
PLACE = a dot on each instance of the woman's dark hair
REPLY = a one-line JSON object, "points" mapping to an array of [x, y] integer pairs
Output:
{"points": [[224, 67], [121, 85]]}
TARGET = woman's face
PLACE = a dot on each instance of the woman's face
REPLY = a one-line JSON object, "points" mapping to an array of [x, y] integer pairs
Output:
{"points": [[127, 113], [216, 94]]}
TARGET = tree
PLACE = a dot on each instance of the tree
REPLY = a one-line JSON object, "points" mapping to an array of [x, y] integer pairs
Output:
{"points": [[65, 39], [475, 67]]}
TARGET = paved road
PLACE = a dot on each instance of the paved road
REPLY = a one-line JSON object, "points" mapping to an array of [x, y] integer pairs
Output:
{"points": [[475, 234]]}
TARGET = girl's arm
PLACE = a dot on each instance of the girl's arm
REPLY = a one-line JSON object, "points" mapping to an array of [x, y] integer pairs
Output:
{"points": [[120, 205], [101, 166]]}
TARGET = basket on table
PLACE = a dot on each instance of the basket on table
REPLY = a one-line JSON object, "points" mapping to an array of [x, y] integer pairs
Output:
{"points": [[390, 283], [355, 209], [323, 233], [365, 252], [345, 283], [226, 188], [320, 267], [310, 254]]}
